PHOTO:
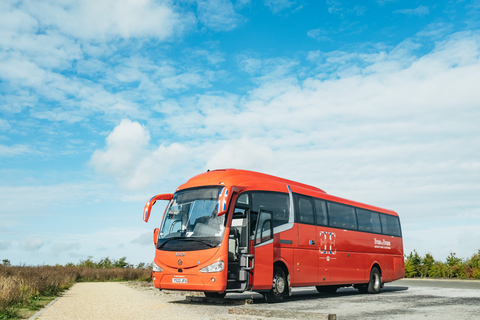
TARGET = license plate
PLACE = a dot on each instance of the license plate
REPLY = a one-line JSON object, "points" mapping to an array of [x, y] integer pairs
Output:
{"points": [[179, 280]]}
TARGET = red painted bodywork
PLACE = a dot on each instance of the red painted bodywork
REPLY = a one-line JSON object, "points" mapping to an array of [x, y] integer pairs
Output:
{"points": [[350, 264]]}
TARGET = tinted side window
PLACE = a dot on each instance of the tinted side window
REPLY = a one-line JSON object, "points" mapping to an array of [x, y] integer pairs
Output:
{"points": [[305, 210], [321, 211], [368, 221], [390, 225], [278, 203], [342, 216]]}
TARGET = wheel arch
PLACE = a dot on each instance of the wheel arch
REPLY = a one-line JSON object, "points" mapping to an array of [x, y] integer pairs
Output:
{"points": [[377, 265], [282, 264]]}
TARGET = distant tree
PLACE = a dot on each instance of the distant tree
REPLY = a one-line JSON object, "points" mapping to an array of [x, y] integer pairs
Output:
{"points": [[105, 263], [87, 263], [427, 264], [472, 266], [455, 268], [121, 263], [412, 264], [6, 262]]}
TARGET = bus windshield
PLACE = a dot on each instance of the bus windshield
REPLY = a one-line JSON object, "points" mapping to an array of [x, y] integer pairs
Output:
{"points": [[191, 221]]}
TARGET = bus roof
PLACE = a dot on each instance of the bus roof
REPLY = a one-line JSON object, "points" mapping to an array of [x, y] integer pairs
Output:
{"points": [[251, 180]]}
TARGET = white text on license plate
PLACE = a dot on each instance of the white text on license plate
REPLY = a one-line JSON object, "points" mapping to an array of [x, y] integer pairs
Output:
{"points": [[179, 280]]}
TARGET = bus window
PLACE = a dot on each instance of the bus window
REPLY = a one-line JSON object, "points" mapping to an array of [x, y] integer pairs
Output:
{"points": [[321, 211], [390, 225], [278, 203], [305, 210], [342, 216], [243, 199], [368, 221], [264, 230]]}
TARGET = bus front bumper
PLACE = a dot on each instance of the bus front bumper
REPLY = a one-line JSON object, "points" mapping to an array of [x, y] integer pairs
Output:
{"points": [[213, 282]]}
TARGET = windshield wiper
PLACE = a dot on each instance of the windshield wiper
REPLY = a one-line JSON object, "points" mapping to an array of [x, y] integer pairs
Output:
{"points": [[169, 239], [201, 241]]}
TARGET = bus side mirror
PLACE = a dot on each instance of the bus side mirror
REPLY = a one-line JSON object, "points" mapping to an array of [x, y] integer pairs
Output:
{"points": [[155, 235], [151, 202]]}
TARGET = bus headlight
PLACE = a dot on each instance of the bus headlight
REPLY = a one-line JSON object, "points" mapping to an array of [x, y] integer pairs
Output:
{"points": [[156, 268], [214, 267]]}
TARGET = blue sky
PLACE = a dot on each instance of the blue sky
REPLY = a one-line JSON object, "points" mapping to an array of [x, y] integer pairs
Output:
{"points": [[105, 103]]}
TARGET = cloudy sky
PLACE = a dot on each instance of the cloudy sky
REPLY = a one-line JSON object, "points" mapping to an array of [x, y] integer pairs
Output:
{"points": [[105, 103]]}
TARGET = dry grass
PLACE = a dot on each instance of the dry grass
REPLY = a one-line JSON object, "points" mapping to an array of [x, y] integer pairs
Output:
{"points": [[21, 286]]}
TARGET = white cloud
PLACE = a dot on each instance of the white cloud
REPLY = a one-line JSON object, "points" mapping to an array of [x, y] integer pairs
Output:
{"points": [[4, 125], [184, 81], [419, 11], [31, 243], [250, 65], [335, 6], [106, 19], [241, 154], [278, 5], [319, 34], [218, 15], [129, 159], [15, 150]]}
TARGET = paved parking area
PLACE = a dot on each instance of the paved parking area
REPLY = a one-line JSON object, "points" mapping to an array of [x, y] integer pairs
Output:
{"points": [[403, 299]]}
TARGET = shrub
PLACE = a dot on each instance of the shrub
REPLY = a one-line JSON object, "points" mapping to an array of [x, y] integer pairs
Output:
{"points": [[454, 267]]}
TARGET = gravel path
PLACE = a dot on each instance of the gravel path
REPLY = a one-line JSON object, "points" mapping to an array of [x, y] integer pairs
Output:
{"points": [[105, 300], [116, 300]]}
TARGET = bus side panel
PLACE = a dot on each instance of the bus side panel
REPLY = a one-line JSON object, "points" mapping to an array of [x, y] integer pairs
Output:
{"points": [[347, 256], [306, 256], [284, 245], [398, 267]]}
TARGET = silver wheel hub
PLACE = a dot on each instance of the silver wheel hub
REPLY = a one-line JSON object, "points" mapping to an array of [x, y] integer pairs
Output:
{"points": [[376, 283], [278, 284]]}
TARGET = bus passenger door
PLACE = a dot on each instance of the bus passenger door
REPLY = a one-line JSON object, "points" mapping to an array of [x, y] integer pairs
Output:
{"points": [[263, 251]]}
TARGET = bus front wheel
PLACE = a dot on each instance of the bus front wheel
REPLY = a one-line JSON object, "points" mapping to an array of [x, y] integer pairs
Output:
{"points": [[279, 288]]}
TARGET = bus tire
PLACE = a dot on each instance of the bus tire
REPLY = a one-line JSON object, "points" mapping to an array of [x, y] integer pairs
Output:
{"points": [[215, 295], [326, 289], [375, 282], [279, 288]]}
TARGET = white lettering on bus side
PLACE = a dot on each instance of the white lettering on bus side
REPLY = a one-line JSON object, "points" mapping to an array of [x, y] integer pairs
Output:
{"points": [[381, 244]]}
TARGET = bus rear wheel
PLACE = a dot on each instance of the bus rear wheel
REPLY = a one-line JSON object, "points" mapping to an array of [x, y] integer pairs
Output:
{"points": [[215, 295], [326, 289], [375, 282], [279, 288]]}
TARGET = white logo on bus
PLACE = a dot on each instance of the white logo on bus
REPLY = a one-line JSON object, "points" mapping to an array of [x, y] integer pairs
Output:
{"points": [[327, 242]]}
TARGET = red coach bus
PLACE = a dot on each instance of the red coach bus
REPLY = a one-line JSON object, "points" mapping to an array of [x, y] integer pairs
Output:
{"points": [[235, 230]]}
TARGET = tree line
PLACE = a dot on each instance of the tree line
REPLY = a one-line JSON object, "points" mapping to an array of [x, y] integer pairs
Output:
{"points": [[453, 267]]}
